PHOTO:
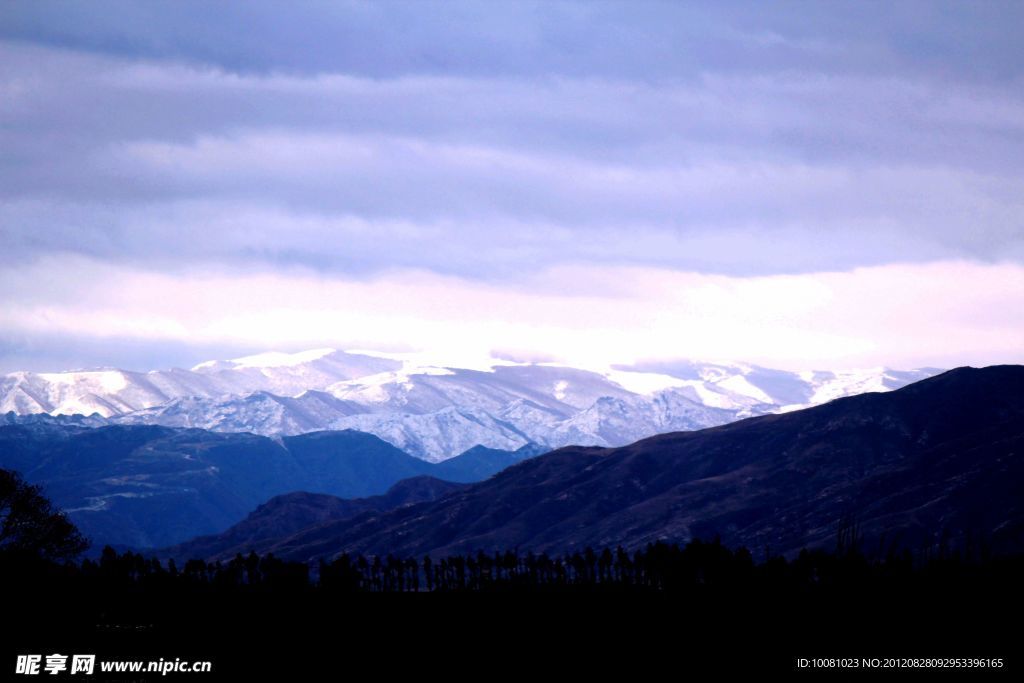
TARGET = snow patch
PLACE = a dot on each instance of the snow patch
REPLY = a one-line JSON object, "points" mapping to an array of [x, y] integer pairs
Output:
{"points": [[738, 384], [643, 382], [560, 388], [105, 380]]}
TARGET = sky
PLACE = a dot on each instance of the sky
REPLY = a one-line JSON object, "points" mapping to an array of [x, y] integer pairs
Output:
{"points": [[802, 185]]}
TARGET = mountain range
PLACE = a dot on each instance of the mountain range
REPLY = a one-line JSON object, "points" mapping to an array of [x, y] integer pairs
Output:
{"points": [[146, 485], [435, 412], [935, 466]]}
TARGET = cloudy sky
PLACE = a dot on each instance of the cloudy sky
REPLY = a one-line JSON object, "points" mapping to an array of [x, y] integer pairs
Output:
{"points": [[817, 184]]}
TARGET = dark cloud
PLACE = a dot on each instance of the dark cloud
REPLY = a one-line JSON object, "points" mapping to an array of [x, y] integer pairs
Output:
{"points": [[634, 40], [491, 139]]}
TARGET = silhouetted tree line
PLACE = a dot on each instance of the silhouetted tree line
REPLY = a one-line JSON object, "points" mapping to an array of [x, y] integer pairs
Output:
{"points": [[698, 566], [38, 545]]}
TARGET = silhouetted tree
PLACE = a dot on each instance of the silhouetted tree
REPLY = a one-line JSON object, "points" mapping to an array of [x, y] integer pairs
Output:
{"points": [[30, 528]]}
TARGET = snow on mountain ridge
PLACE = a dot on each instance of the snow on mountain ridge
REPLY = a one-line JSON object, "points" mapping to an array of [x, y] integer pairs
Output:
{"points": [[107, 380], [436, 411], [113, 392]]}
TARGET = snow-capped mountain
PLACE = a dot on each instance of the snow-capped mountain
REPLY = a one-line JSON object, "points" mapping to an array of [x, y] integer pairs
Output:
{"points": [[259, 412], [434, 411], [290, 374], [111, 392], [560, 389]]}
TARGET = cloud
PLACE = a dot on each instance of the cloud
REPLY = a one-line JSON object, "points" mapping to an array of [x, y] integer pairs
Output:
{"points": [[155, 163], [648, 40], [648, 174], [895, 314]]}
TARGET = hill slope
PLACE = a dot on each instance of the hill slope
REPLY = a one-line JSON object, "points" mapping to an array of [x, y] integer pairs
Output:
{"points": [[938, 461], [290, 513]]}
